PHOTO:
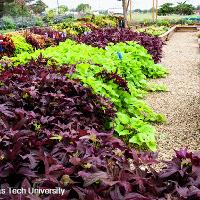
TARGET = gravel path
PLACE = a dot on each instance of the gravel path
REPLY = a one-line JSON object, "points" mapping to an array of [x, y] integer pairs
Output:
{"points": [[181, 105]]}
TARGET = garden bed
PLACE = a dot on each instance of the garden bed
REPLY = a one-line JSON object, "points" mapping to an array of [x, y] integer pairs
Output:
{"points": [[73, 110], [186, 28], [166, 36]]}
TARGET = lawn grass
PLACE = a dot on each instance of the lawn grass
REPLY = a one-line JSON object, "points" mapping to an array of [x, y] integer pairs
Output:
{"points": [[140, 17]]}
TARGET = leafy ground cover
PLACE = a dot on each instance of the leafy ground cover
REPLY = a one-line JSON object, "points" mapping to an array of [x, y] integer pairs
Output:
{"points": [[53, 135], [121, 77], [80, 26], [21, 45], [76, 28], [41, 38], [154, 30], [102, 37], [105, 21], [28, 41], [19, 42]]}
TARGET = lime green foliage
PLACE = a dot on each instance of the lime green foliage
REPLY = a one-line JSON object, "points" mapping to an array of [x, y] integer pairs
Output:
{"points": [[74, 27], [21, 45], [152, 87], [103, 21], [133, 114], [154, 30], [71, 28], [163, 22]]}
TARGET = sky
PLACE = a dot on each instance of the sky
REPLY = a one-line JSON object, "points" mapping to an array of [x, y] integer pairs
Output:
{"points": [[106, 4]]}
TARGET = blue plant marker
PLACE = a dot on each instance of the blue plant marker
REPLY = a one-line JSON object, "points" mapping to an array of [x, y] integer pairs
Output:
{"points": [[1, 48], [119, 55]]}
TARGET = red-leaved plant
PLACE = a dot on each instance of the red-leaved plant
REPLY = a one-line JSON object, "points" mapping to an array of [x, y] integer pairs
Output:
{"points": [[7, 46]]}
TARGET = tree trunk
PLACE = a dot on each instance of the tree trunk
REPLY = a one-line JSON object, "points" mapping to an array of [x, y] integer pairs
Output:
{"points": [[1, 8], [130, 10], [156, 10], [124, 5], [153, 11]]}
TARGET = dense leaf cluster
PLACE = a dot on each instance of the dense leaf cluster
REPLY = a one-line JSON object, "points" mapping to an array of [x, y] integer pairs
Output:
{"points": [[101, 38], [6, 46], [39, 41], [154, 30], [134, 66], [83, 25], [49, 33], [75, 28], [115, 77], [21, 45], [52, 135]]}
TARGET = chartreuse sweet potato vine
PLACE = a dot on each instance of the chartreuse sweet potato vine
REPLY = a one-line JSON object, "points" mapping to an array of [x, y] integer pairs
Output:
{"points": [[106, 71], [21, 45]]}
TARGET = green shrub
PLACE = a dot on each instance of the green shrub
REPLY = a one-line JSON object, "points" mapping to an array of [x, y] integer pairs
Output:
{"points": [[7, 22], [163, 22], [154, 30], [72, 28], [39, 22], [104, 21]]}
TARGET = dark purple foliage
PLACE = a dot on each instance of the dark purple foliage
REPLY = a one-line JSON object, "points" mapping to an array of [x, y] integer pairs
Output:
{"points": [[101, 37], [181, 177], [115, 78]]}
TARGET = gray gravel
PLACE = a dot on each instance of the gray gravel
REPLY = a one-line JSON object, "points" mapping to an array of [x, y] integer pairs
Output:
{"points": [[181, 105]]}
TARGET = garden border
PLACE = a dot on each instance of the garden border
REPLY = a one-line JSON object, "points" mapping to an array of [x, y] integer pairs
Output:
{"points": [[167, 35]]}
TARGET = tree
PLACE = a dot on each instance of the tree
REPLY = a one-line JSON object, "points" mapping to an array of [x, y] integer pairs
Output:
{"points": [[50, 14], [15, 9], [184, 9], [138, 10], [83, 8], [63, 9], [166, 9], [38, 7]]}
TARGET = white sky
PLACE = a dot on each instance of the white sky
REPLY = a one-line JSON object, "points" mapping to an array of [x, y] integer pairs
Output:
{"points": [[106, 4]]}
